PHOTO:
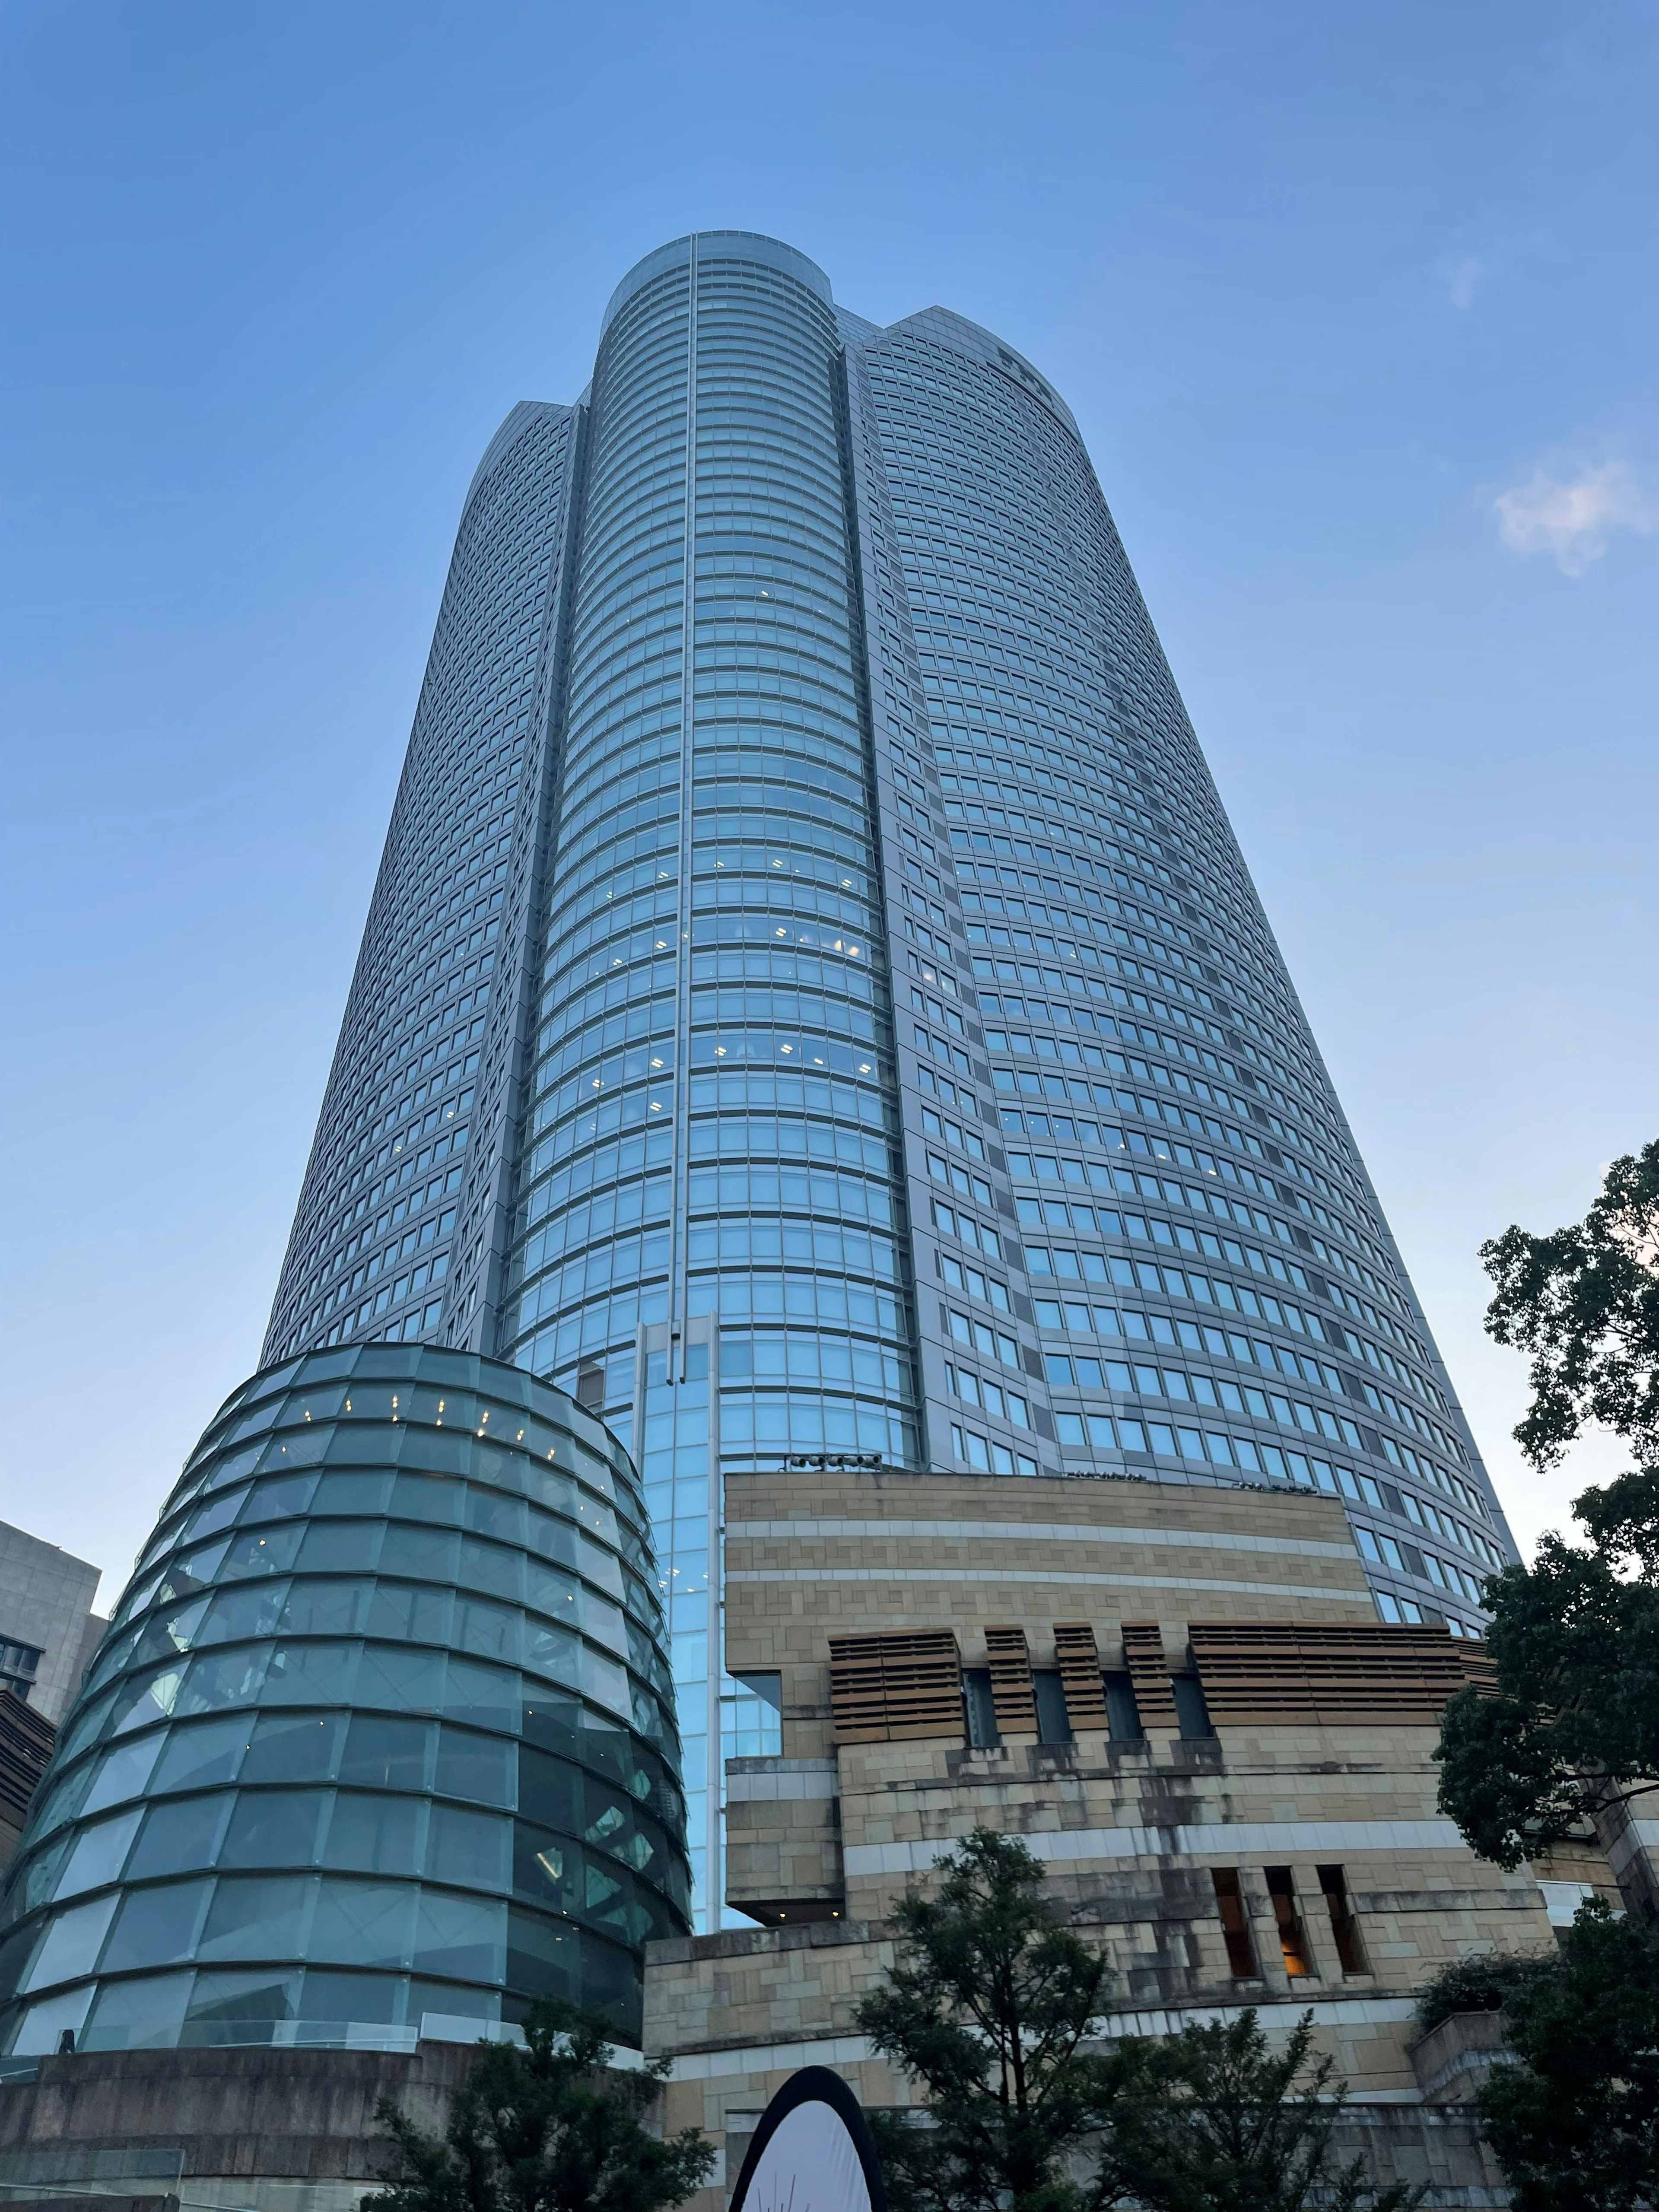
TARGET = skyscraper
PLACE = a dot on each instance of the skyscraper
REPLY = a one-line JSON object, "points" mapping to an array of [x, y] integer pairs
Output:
{"points": [[812, 1001]]}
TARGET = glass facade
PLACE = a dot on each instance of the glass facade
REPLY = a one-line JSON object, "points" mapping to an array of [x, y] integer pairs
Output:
{"points": [[813, 1002], [382, 1729]]}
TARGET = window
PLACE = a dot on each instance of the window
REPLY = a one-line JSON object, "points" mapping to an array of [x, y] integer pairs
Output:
{"points": [[1190, 1708], [1345, 1928], [1123, 1713], [751, 1716], [1235, 1923], [1054, 1723], [1292, 1937], [983, 1731], [18, 1664]]}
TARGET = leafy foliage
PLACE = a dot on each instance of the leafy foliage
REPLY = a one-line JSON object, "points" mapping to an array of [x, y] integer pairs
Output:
{"points": [[1246, 2129], [1573, 1730], [1483, 1983], [1575, 2120], [987, 2009], [1583, 1301], [551, 2128], [1574, 1726]]}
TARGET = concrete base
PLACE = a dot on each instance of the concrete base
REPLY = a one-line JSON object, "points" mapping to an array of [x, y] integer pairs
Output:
{"points": [[261, 2129]]}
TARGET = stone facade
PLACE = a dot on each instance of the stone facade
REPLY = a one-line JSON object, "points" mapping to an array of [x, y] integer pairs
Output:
{"points": [[1330, 1824]]}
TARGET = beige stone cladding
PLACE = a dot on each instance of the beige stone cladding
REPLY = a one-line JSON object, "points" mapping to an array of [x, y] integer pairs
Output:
{"points": [[1347, 1886]]}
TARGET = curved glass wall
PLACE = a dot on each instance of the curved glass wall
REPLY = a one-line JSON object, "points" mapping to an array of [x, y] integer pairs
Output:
{"points": [[382, 1729], [712, 1122], [412, 1133], [1217, 1294]]}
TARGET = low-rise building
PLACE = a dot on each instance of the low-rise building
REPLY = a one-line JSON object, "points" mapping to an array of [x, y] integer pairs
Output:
{"points": [[47, 1631], [1183, 1701]]}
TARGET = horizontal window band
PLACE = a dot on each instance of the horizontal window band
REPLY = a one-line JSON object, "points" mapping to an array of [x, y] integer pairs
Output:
{"points": [[1004, 1577], [1232, 1840]]}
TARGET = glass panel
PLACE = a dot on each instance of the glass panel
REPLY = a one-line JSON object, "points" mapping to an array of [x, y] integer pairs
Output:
{"points": [[44, 2023], [324, 1608], [488, 1567], [388, 1754], [549, 1791], [122, 1773], [239, 2008], [493, 1632], [179, 1836], [156, 1927], [544, 1958], [412, 1681], [490, 1513], [453, 2001], [353, 1492], [279, 1496], [134, 2015], [477, 1766], [226, 1678], [423, 1554], [333, 1999], [98, 1853], [473, 1849], [254, 1918], [340, 1545], [374, 1835], [553, 1652], [410, 1612], [364, 1923], [273, 1828], [138, 1703], [297, 1747], [218, 1514], [461, 1936], [62, 1800], [486, 1696], [311, 1675], [262, 1552], [427, 1498], [237, 1614], [71, 1944]]}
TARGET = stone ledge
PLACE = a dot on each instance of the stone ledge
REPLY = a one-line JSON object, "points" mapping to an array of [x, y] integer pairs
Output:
{"points": [[1451, 2060]]}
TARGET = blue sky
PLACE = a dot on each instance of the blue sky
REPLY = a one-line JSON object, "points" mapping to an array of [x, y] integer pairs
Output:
{"points": [[1356, 305]]}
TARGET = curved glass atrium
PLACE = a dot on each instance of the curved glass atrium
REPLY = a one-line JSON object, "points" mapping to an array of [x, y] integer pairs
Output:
{"points": [[387, 1695]]}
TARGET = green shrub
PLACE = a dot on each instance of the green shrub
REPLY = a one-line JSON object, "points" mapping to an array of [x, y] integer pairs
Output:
{"points": [[1479, 1984]]}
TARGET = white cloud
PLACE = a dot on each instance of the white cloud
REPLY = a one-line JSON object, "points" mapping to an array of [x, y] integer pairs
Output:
{"points": [[1462, 276], [1571, 517]]}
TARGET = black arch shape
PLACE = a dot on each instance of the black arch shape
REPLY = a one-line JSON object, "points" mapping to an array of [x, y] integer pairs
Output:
{"points": [[815, 2085]]}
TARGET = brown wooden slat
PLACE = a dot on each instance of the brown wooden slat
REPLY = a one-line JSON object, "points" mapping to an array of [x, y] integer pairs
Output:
{"points": [[1149, 1676], [1264, 1674], [1012, 1697], [895, 1687], [1078, 1656]]}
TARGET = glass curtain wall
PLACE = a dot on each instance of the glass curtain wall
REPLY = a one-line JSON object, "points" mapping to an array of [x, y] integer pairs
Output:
{"points": [[1217, 1292], [796, 635], [380, 1731], [712, 1123]]}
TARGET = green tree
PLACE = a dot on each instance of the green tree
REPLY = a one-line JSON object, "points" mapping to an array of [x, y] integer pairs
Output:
{"points": [[551, 2128], [1583, 1302], [1572, 1729], [987, 2009], [1243, 2128], [1574, 2119]]}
